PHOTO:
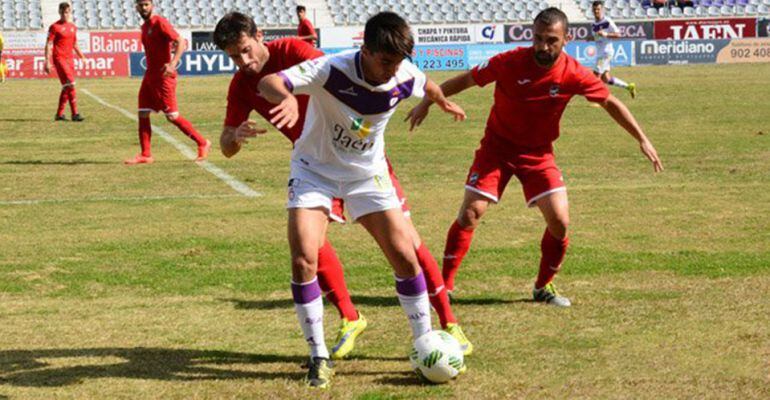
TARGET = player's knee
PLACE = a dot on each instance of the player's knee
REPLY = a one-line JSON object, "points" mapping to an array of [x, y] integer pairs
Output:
{"points": [[558, 226], [471, 216], [304, 264], [172, 117]]}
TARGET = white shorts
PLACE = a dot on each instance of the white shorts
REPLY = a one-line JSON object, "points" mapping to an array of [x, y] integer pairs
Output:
{"points": [[603, 61], [308, 189]]}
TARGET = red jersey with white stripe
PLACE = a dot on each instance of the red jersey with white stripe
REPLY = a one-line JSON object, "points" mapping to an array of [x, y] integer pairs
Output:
{"points": [[243, 96], [157, 37], [64, 36], [529, 99]]}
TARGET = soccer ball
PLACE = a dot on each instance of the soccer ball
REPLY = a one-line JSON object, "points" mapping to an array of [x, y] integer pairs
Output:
{"points": [[437, 357]]}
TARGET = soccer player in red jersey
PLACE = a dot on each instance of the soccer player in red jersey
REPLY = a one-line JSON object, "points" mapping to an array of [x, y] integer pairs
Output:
{"points": [[533, 86], [62, 37], [305, 30], [158, 91], [237, 35]]}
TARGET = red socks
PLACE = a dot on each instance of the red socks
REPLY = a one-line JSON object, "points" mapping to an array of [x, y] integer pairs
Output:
{"points": [[458, 241], [186, 127], [73, 99], [332, 281], [63, 96], [67, 94], [437, 293], [145, 136], [553, 251]]}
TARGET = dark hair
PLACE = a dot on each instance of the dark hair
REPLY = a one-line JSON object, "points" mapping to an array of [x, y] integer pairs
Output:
{"points": [[387, 32], [63, 6], [597, 3], [552, 15], [300, 8], [230, 28]]}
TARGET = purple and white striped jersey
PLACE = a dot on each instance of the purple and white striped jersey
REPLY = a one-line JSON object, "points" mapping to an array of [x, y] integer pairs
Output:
{"points": [[342, 138], [603, 44]]}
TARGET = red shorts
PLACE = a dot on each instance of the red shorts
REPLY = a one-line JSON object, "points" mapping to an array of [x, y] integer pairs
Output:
{"points": [[338, 205], [496, 161], [158, 94], [65, 69]]}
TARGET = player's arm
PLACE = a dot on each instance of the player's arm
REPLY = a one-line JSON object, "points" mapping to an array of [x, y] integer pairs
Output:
{"points": [[231, 139], [180, 45], [450, 87], [47, 64], [620, 113], [273, 89], [78, 52]]}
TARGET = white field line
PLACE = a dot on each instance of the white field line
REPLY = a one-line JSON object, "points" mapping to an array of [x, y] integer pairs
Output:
{"points": [[32, 202], [237, 185]]}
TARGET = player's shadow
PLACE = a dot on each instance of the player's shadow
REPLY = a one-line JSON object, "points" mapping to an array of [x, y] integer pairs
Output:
{"points": [[57, 162], [63, 367], [372, 301]]}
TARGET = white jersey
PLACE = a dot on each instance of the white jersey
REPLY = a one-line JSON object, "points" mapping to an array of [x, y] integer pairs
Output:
{"points": [[604, 44], [342, 138]]}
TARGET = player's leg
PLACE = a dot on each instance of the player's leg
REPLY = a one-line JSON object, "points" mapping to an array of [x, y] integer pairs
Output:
{"points": [[389, 229], [484, 184], [460, 235], [147, 104], [614, 81], [72, 96], [332, 279], [305, 231], [310, 198], [61, 72], [553, 247], [543, 186], [168, 95], [63, 96], [437, 291]]}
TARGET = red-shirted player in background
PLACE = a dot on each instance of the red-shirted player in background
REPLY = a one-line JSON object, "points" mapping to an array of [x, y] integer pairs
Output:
{"points": [[305, 30], [534, 85], [62, 37], [158, 91], [237, 35]]}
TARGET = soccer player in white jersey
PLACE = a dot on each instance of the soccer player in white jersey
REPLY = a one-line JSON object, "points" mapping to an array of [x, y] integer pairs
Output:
{"points": [[341, 154], [605, 30]]}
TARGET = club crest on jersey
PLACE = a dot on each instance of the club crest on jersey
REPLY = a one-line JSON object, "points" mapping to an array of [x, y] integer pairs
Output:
{"points": [[361, 127], [554, 91]]}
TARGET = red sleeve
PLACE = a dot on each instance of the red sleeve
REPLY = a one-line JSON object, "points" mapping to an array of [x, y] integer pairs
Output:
{"points": [[590, 86], [301, 51], [488, 72], [51, 33], [237, 108], [169, 30]]}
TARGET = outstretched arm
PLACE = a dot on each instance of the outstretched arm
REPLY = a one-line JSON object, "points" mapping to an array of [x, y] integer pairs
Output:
{"points": [[273, 89], [620, 113], [451, 87], [231, 139]]}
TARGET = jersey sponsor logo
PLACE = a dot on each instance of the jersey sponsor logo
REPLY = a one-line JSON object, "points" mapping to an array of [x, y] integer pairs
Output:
{"points": [[361, 127], [554, 91], [523, 81], [344, 142]]}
